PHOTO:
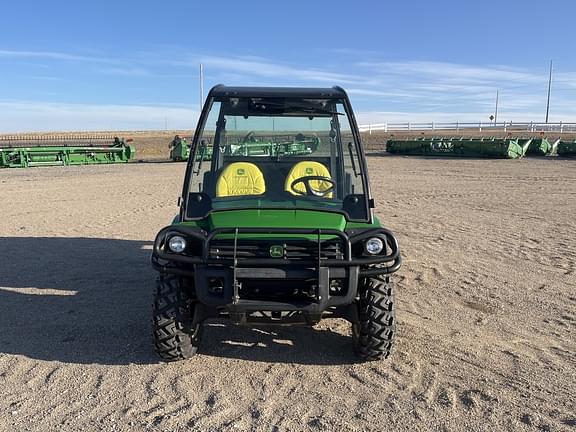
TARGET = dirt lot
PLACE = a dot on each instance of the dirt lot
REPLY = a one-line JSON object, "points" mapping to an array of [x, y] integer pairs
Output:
{"points": [[486, 310]]}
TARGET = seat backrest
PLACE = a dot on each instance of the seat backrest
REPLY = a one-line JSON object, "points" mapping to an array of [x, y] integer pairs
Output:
{"points": [[305, 169], [240, 178]]}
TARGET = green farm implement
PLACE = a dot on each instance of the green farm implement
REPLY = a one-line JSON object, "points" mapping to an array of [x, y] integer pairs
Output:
{"points": [[24, 152], [248, 146], [541, 147], [276, 224], [274, 145], [461, 147], [179, 149], [566, 148]]}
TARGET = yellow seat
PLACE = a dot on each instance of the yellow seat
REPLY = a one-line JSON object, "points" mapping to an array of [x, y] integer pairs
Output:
{"points": [[305, 169], [240, 178]]}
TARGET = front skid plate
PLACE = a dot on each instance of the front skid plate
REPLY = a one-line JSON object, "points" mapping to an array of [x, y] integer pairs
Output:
{"points": [[347, 312]]}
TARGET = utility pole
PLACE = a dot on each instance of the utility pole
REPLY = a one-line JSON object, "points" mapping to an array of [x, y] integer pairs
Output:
{"points": [[496, 110], [549, 87], [201, 86]]}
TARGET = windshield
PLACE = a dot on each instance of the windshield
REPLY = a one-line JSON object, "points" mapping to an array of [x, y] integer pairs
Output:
{"points": [[278, 153]]}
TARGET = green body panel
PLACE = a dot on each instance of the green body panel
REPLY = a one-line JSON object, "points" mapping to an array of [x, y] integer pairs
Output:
{"points": [[566, 148], [460, 147], [272, 218], [276, 219], [23, 157]]}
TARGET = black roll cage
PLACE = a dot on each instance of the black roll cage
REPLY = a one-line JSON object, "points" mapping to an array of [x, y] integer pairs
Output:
{"points": [[336, 93]]}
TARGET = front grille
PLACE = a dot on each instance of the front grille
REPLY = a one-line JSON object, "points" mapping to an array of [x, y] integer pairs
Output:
{"points": [[295, 250]]}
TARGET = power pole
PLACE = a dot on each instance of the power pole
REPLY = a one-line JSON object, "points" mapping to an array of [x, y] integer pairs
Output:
{"points": [[549, 87], [496, 110], [201, 86]]}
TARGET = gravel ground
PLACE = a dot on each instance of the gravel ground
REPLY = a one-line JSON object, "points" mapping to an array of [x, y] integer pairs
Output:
{"points": [[486, 304]]}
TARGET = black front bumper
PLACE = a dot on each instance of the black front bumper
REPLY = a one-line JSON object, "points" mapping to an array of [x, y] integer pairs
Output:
{"points": [[218, 281], [231, 279]]}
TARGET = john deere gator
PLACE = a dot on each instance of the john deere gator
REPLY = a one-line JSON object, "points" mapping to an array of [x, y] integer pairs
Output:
{"points": [[276, 226]]}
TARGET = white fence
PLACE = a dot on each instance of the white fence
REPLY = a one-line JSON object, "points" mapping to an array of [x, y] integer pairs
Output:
{"points": [[560, 127]]}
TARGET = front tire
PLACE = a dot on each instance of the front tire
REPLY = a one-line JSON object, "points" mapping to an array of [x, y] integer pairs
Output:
{"points": [[176, 336], [373, 331]]}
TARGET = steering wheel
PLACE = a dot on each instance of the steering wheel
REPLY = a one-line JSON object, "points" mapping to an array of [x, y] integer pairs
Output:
{"points": [[309, 190], [249, 137]]}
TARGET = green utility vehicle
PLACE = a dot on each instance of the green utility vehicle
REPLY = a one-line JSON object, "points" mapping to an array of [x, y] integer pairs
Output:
{"points": [[276, 224]]}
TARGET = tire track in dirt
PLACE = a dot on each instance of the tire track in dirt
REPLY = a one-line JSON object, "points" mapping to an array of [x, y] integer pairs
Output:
{"points": [[486, 311]]}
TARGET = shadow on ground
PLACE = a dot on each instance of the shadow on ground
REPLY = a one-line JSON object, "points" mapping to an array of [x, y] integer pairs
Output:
{"points": [[277, 344], [88, 300]]}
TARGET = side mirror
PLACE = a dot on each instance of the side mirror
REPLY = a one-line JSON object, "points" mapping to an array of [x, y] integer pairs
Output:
{"points": [[355, 206], [198, 205]]}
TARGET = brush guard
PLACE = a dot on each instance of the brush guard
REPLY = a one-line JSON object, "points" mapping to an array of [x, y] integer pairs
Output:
{"points": [[218, 281]]}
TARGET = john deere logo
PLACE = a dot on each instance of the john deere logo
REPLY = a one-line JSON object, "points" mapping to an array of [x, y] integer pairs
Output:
{"points": [[309, 171], [240, 171], [276, 251]]}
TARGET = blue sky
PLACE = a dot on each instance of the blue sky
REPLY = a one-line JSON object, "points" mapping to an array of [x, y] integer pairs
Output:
{"points": [[134, 65]]}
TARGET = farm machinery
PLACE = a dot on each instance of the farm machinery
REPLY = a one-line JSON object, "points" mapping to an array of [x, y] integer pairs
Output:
{"points": [[566, 148], [179, 149], [249, 145], [24, 152], [541, 147], [274, 145], [484, 147]]}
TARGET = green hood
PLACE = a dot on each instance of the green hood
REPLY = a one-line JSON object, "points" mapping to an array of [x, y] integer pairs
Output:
{"points": [[276, 219]]}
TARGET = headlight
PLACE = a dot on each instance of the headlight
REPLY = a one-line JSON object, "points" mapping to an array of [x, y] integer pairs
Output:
{"points": [[374, 246], [177, 244]]}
